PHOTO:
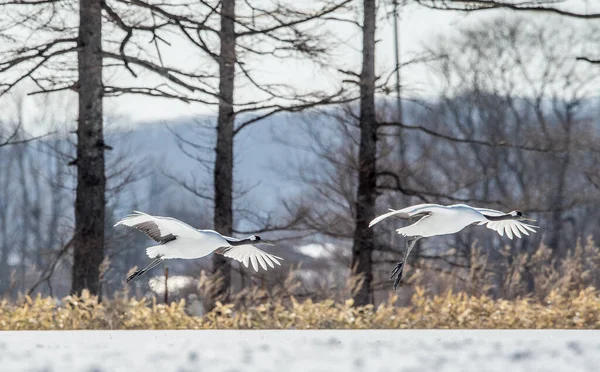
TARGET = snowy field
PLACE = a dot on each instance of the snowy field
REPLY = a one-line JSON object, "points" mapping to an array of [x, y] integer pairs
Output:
{"points": [[287, 351]]}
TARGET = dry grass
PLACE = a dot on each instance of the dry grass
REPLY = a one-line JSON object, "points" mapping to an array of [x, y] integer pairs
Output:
{"points": [[513, 275], [578, 309], [485, 294]]}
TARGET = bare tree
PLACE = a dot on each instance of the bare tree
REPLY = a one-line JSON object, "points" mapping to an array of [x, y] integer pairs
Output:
{"points": [[27, 61], [362, 249], [223, 168], [349, 180], [246, 33], [91, 179], [46, 60]]}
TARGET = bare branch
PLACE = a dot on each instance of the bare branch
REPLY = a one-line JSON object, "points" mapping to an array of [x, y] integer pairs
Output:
{"points": [[166, 72], [47, 274], [305, 19], [587, 59], [274, 109], [475, 5], [12, 141], [499, 144]]}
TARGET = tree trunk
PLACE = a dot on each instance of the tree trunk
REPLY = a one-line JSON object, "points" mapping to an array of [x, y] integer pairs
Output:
{"points": [[26, 223], [223, 181], [555, 242], [6, 246], [365, 199], [91, 180]]}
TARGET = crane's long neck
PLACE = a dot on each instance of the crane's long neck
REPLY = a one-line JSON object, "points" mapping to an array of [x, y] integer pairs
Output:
{"points": [[499, 218], [249, 240]]}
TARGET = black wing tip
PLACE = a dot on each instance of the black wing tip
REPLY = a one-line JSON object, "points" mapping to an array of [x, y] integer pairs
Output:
{"points": [[167, 238], [151, 229]]}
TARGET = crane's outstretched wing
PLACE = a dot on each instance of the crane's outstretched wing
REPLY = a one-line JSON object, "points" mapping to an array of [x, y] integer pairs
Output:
{"points": [[408, 214], [509, 227], [249, 253], [159, 229]]}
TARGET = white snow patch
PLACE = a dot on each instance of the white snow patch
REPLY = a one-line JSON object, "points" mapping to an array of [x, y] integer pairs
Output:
{"points": [[175, 283], [301, 351], [316, 250]]}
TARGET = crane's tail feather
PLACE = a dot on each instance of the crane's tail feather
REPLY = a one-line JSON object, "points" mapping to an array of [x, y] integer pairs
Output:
{"points": [[154, 251], [406, 231]]}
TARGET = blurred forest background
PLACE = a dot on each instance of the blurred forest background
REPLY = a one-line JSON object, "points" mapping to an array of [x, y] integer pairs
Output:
{"points": [[499, 109]]}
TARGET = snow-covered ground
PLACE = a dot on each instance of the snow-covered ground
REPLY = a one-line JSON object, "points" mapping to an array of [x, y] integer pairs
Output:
{"points": [[288, 351]]}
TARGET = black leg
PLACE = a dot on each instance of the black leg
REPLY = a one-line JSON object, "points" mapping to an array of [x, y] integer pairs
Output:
{"points": [[399, 275], [152, 264], [398, 270]]}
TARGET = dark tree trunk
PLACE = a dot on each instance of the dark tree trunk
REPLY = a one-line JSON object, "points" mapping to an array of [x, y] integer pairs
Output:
{"points": [[556, 243], [91, 180], [6, 247], [26, 225], [365, 199], [223, 181]]}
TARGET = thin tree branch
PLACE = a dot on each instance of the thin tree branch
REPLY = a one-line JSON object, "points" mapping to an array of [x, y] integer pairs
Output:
{"points": [[499, 144], [47, 274], [475, 5]]}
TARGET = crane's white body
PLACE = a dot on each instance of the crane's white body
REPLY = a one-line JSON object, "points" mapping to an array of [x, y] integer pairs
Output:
{"points": [[197, 245], [185, 242], [444, 220]]}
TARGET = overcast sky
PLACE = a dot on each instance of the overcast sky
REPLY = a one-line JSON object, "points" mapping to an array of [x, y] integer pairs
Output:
{"points": [[419, 28]]}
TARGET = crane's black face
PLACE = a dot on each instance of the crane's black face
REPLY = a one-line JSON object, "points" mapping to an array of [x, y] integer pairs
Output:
{"points": [[258, 240], [520, 216]]}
